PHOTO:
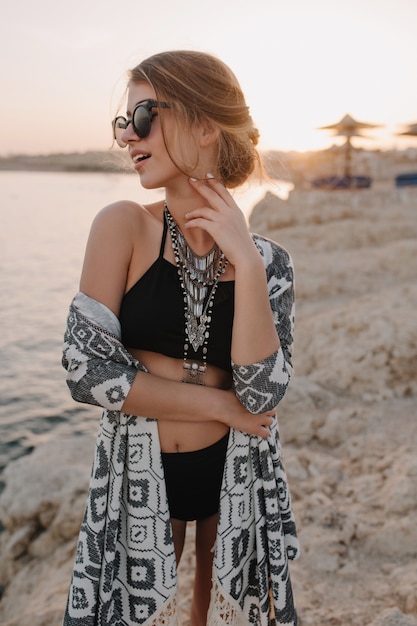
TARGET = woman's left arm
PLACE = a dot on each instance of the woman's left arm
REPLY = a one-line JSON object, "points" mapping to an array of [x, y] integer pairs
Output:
{"points": [[260, 382], [264, 300]]}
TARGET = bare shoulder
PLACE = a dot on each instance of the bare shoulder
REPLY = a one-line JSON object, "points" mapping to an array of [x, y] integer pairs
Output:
{"points": [[118, 232], [123, 213], [126, 223]]}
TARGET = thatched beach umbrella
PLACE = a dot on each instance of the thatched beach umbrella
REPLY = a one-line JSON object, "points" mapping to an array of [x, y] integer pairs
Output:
{"points": [[348, 127], [411, 130], [409, 178]]}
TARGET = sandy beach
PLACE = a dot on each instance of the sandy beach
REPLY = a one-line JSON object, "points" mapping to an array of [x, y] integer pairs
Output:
{"points": [[348, 424]]}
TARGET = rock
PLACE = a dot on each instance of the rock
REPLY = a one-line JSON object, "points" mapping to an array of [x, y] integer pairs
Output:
{"points": [[396, 538], [41, 510], [365, 348], [339, 425], [20, 540], [393, 617], [404, 580], [401, 487]]}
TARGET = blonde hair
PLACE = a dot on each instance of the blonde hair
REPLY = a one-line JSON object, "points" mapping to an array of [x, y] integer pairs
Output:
{"points": [[201, 88]]}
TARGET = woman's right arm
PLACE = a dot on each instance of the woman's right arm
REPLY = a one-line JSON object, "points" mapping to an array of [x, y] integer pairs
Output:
{"points": [[164, 399]]}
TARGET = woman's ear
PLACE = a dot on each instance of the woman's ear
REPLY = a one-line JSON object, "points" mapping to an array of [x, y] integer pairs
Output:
{"points": [[208, 134]]}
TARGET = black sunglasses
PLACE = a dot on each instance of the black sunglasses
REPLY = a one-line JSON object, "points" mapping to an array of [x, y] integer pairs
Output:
{"points": [[142, 117]]}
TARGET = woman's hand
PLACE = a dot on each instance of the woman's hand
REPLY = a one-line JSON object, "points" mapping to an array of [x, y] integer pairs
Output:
{"points": [[239, 418], [254, 335], [223, 220]]}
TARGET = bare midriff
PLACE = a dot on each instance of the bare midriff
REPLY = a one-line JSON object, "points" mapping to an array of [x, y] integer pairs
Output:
{"points": [[176, 436]]}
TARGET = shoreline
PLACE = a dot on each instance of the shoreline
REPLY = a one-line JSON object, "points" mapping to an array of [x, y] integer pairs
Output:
{"points": [[299, 168]]}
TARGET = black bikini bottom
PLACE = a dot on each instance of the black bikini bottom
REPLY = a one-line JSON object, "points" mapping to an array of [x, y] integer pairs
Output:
{"points": [[193, 480]]}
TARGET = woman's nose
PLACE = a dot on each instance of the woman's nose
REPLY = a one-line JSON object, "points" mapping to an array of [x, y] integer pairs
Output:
{"points": [[129, 134]]}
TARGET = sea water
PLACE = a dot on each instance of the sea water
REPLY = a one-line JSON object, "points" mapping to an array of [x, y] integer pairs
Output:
{"points": [[45, 220]]}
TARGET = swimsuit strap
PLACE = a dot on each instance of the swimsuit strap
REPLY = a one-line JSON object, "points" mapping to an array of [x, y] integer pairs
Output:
{"points": [[164, 238]]}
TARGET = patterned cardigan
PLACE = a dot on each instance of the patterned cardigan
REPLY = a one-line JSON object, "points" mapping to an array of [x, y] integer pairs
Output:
{"points": [[125, 569]]}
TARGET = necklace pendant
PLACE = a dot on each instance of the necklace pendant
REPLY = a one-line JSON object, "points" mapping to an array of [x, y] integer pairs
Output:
{"points": [[196, 333]]}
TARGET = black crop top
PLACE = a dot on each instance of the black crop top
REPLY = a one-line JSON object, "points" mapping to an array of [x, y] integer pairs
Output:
{"points": [[152, 315]]}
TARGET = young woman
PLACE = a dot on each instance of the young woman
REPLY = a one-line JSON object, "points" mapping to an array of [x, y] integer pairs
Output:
{"points": [[172, 293]]}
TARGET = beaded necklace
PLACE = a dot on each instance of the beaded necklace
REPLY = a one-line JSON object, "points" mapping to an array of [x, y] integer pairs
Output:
{"points": [[199, 279]]}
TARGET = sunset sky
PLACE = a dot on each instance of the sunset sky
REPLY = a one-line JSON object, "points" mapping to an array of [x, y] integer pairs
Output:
{"points": [[302, 64]]}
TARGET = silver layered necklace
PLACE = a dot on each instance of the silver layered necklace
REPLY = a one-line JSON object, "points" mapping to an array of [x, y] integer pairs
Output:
{"points": [[199, 279]]}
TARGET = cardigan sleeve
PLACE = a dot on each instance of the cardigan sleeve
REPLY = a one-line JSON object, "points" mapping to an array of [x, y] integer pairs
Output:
{"points": [[262, 385], [100, 371]]}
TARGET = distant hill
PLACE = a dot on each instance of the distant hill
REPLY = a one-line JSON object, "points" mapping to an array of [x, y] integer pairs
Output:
{"points": [[69, 162]]}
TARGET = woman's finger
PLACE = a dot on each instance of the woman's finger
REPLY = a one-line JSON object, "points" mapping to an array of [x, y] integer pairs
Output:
{"points": [[213, 191]]}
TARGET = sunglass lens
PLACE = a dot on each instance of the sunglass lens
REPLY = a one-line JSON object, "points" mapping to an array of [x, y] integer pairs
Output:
{"points": [[142, 118], [119, 126]]}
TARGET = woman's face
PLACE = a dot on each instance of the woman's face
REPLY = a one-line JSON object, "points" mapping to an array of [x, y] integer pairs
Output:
{"points": [[149, 154]]}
